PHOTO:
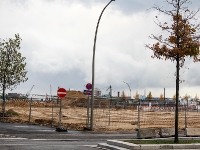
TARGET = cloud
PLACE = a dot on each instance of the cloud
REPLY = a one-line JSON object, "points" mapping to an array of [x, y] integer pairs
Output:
{"points": [[58, 37]]}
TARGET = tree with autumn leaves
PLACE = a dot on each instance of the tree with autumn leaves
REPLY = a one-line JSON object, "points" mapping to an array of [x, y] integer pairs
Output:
{"points": [[186, 97], [123, 95], [137, 96], [182, 42], [149, 96], [162, 97], [174, 97], [196, 98]]}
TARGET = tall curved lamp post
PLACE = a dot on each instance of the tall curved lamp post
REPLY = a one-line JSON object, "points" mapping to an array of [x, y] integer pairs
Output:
{"points": [[93, 65], [128, 87]]}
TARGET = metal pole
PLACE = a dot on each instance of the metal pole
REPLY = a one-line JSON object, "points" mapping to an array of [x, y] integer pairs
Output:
{"points": [[29, 119], [60, 113], [52, 114], [110, 104], [164, 93], [93, 65], [139, 119], [88, 105], [185, 117], [109, 114]]}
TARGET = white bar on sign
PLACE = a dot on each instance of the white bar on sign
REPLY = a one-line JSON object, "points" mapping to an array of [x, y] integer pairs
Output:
{"points": [[61, 92]]}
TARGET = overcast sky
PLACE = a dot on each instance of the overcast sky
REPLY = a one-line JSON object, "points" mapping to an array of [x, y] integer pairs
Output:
{"points": [[58, 37]]}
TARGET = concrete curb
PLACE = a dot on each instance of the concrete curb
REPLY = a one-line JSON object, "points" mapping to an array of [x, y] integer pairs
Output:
{"points": [[121, 145]]}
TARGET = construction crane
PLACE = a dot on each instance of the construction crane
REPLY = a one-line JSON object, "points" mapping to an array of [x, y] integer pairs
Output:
{"points": [[28, 93]]}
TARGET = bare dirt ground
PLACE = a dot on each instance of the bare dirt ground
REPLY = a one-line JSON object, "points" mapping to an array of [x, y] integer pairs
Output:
{"points": [[74, 115]]}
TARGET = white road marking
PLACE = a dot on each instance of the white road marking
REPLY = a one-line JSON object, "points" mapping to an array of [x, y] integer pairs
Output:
{"points": [[14, 138]]}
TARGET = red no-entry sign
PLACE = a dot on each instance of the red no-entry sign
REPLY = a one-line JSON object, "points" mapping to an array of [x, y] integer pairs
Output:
{"points": [[61, 92], [89, 86]]}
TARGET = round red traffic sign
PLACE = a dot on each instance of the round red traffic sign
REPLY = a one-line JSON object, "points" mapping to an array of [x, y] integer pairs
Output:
{"points": [[61, 92], [89, 86]]}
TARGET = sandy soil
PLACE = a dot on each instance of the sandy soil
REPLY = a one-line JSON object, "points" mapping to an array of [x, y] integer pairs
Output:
{"points": [[74, 115]]}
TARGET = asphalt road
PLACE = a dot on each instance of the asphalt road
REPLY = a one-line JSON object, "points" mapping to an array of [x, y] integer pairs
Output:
{"points": [[33, 137]]}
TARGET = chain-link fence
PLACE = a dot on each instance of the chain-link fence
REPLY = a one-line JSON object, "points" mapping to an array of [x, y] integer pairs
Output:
{"points": [[108, 114], [161, 114]]}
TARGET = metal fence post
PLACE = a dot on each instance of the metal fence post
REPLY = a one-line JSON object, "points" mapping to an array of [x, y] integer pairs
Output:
{"points": [[60, 113], [109, 114], [87, 119], [139, 119], [52, 114], [185, 117], [29, 119]]}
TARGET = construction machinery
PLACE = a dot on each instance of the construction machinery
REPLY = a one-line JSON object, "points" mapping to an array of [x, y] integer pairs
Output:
{"points": [[29, 92]]}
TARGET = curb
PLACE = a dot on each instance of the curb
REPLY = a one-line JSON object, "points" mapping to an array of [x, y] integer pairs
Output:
{"points": [[121, 145]]}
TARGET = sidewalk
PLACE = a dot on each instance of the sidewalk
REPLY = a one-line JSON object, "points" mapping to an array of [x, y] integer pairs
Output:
{"points": [[120, 145]]}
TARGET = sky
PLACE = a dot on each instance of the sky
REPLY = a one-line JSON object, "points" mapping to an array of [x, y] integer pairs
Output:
{"points": [[58, 37]]}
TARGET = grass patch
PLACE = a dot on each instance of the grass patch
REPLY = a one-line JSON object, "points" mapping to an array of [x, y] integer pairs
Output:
{"points": [[11, 112], [162, 141]]}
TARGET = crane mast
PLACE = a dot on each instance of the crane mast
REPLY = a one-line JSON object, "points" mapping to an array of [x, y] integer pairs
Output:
{"points": [[28, 93]]}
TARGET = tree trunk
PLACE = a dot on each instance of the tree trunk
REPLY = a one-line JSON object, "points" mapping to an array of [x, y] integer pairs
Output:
{"points": [[177, 100], [3, 104]]}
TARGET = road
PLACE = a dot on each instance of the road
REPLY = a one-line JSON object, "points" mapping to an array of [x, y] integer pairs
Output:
{"points": [[34, 137]]}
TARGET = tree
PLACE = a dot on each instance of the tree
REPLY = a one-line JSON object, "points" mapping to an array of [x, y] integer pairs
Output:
{"points": [[182, 41], [196, 98], [123, 95], [12, 66], [174, 97], [161, 96], [149, 96], [186, 97], [137, 96]]}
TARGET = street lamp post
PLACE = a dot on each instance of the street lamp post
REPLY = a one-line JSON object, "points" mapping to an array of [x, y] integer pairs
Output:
{"points": [[93, 65], [128, 87]]}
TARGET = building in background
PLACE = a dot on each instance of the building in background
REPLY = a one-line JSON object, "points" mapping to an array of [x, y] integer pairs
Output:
{"points": [[97, 92]]}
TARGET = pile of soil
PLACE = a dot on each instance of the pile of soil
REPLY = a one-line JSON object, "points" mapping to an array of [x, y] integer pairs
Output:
{"points": [[22, 107]]}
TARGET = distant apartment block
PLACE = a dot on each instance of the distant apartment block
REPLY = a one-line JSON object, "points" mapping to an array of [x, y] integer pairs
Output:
{"points": [[14, 95], [97, 92]]}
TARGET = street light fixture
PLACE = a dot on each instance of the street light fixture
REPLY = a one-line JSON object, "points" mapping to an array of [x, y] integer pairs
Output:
{"points": [[128, 87], [93, 64]]}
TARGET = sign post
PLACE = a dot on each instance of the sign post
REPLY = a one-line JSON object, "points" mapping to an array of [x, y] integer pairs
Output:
{"points": [[61, 93], [88, 92]]}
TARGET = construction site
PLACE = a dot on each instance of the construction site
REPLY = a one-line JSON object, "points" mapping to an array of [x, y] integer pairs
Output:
{"points": [[109, 115]]}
